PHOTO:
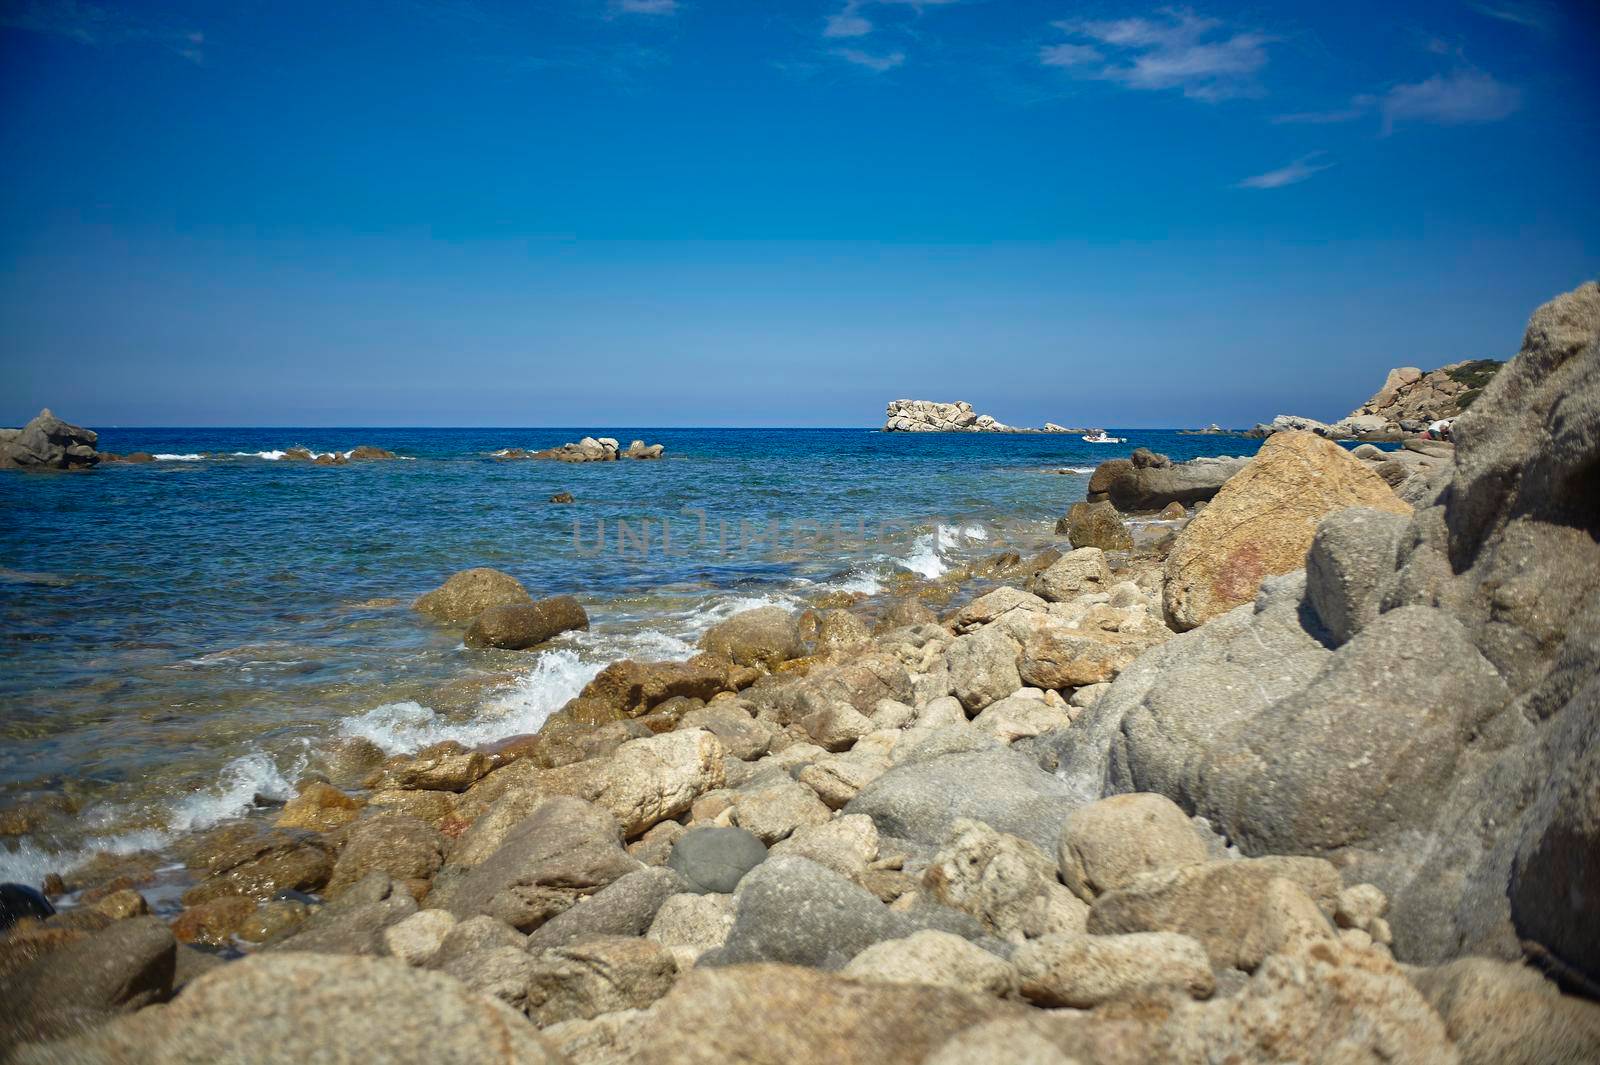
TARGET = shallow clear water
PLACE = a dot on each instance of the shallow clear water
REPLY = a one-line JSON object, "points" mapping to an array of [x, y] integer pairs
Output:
{"points": [[179, 637]]}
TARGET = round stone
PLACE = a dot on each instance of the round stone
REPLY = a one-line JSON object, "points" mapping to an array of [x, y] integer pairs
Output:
{"points": [[716, 859]]}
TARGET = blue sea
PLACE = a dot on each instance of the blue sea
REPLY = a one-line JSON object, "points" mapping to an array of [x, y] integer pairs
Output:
{"points": [[181, 638]]}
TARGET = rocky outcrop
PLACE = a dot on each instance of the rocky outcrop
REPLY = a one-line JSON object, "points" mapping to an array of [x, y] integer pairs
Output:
{"points": [[1262, 522], [1431, 733], [1409, 401], [48, 443], [931, 416], [589, 449], [1147, 481], [518, 626]]}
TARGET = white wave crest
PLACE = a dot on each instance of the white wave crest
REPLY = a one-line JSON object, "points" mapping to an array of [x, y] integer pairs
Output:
{"points": [[190, 457], [402, 727], [270, 456], [923, 558]]}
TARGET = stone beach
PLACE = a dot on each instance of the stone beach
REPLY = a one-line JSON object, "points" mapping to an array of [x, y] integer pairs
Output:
{"points": [[1281, 758]]}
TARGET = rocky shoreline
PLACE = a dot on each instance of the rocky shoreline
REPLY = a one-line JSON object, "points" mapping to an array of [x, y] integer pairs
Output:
{"points": [[1310, 779]]}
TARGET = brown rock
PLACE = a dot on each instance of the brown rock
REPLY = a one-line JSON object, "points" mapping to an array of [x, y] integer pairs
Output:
{"points": [[392, 843], [1108, 843], [319, 807], [598, 974], [1095, 525], [1262, 523], [469, 593], [214, 922], [518, 626], [632, 688]]}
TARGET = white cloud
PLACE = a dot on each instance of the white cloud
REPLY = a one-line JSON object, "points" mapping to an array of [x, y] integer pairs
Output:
{"points": [[1450, 100], [1180, 50], [1530, 15], [1296, 172], [648, 7], [875, 63], [848, 22], [1359, 106]]}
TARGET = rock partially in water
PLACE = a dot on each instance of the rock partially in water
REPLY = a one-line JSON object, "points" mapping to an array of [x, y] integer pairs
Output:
{"points": [[48, 443], [518, 626], [469, 593]]}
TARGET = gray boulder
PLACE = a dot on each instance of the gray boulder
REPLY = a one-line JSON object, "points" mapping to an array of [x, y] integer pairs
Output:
{"points": [[564, 849], [48, 443], [1005, 789], [795, 911], [623, 908], [715, 859], [354, 923], [1353, 551]]}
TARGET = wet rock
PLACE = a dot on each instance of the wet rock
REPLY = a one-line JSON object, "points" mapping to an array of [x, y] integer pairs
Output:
{"points": [[1108, 843], [445, 767], [319, 807], [432, 808], [1095, 525], [1149, 485], [840, 630], [904, 613], [937, 958], [303, 1008], [763, 637], [630, 689], [518, 626], [214, 922], [18, 901], [260, 865], [562, 497], [1084, 971], [716, 859], [390, 843], [469, 593]]}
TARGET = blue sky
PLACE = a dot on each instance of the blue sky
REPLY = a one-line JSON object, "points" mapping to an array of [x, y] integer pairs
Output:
{"points": [[692, 212]]}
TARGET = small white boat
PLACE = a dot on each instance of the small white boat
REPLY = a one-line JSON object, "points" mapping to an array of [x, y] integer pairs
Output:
{"points": [[1099, 436]]}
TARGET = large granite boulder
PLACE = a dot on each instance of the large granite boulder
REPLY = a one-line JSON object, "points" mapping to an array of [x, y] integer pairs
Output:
{"points": [[1095, 525], [1262, 523], [48, 443]]}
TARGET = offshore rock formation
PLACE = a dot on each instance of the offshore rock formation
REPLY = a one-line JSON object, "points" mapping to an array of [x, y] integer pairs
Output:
{"points": [[1146, 481], [48, 443], [931, 416], [589, 449]]}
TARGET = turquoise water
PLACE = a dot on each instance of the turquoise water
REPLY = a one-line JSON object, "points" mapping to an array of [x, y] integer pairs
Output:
{"points": [[181, 637]]}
